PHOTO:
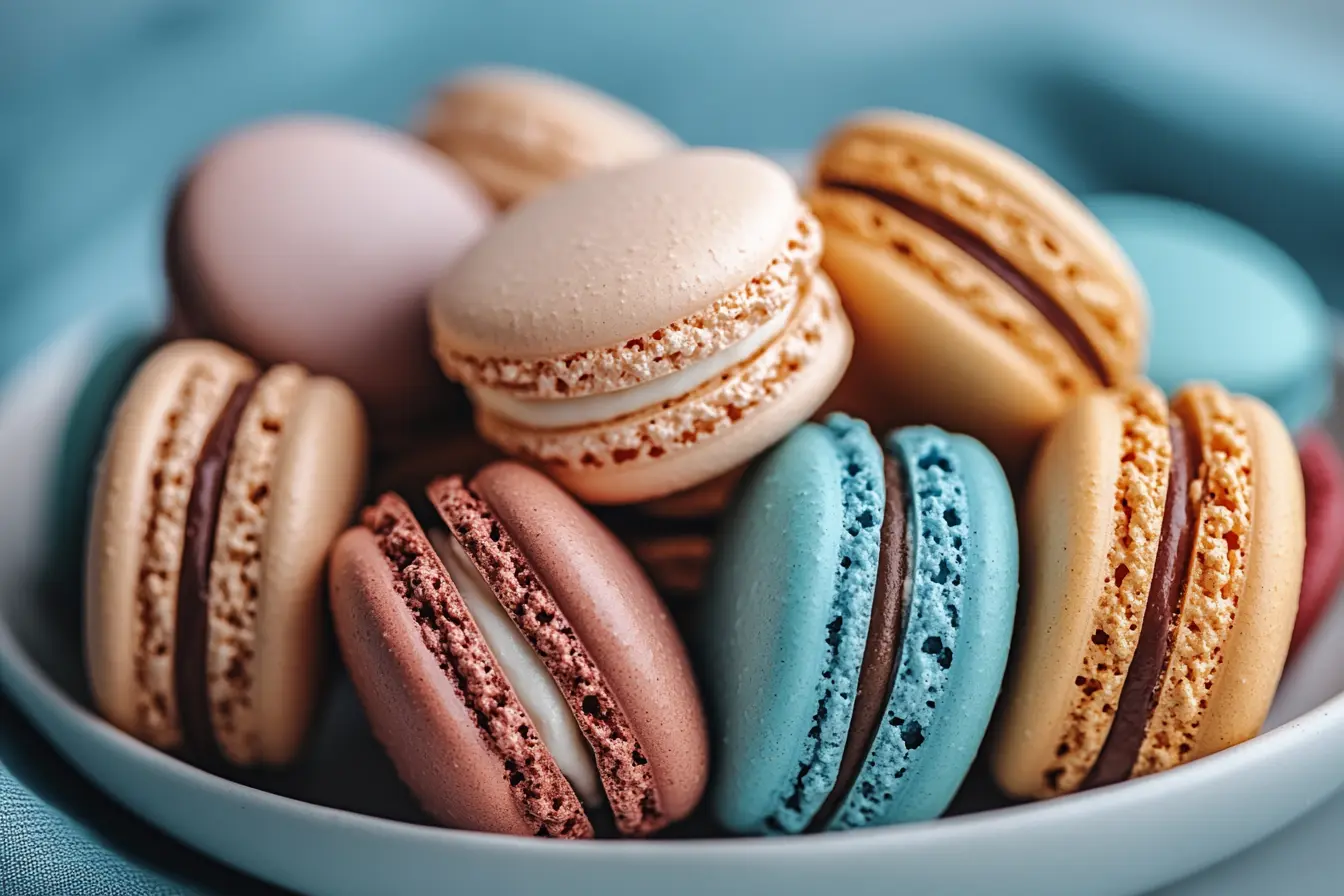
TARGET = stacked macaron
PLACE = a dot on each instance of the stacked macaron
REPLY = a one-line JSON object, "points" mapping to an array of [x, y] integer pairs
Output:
{"points": [[593, 362]]}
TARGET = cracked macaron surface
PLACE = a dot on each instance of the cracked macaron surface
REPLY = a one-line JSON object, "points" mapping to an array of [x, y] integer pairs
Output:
{"points": [[859, 608], [670, 323]]}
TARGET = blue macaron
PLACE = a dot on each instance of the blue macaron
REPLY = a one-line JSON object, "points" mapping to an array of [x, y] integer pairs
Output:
{"points": [[859, 611], [1228, 305]]}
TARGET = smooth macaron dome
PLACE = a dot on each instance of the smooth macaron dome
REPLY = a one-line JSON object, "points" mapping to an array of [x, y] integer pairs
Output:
{"points": [[857, 625], [1228, 305], [316, 240], [983, 293], [519, 642], [1163, 553], [518, 131], [641, 331], [219, 491]]}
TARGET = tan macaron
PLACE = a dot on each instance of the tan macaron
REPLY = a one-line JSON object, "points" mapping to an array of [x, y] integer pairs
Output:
{"points": [[219, 491], [642, 331], [518, 131], [1162, 558], [985, 298]]}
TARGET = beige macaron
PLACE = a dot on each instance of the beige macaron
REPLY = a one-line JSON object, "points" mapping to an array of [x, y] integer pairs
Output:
{"points": [[219, 492], [985, 298], [1162, 558], [518, 131], [639, 332]]}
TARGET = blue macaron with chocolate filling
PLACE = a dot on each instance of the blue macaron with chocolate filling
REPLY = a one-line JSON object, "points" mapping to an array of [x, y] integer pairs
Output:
{"points": [[859, 611]]}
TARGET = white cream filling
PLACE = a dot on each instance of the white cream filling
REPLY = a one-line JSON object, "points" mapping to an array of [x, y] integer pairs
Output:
{"points": [[536, 690], [565, 413]]}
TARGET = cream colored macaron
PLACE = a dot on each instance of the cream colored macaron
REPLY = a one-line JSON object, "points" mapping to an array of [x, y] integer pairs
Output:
{"points": [[641, 331], [518, 131], [985, 298], [1162, 559], [219, 492]]}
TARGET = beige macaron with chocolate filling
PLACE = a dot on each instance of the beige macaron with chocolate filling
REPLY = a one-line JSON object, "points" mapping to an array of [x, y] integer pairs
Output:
{"points": [[219, 491], [642, 331], [518, 131], [985, 297], [1162, 561]]}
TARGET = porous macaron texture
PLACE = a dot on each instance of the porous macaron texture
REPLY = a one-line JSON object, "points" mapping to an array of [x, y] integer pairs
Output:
{"points": [[727, 400], [236, 563], [518, 131], [139, 520], [957, 627], [1122, 596], [622, 762], [1223, 495], [614, 257], [451, 636], [790, 596], [1017, 209]]}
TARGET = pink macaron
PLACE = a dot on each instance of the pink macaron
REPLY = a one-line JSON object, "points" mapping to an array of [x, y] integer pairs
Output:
{"points": [[515, 662], [1323, 566], [315, 240]]}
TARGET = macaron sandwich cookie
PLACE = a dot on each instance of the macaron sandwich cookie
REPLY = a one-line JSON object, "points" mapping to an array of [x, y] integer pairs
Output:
{"points": [[518, 131], [220, 489], [515, 662], [641, 331], [1163, 552], [859, 611], [985, 297]]}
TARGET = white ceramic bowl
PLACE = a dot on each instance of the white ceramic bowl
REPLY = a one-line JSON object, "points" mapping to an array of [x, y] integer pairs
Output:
{"points": [[1122, 839]]}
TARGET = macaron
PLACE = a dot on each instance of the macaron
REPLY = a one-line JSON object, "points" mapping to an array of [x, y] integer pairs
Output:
{"points": [[1323, 566], [316, 240], [1162, 560], [641, 331], [220, 489], [857, 622], [518, 131], [985, 297], [1228, 305], [516, 663]]}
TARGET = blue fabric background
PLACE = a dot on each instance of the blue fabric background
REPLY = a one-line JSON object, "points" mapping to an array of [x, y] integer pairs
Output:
{"points": [[1234, 104]]}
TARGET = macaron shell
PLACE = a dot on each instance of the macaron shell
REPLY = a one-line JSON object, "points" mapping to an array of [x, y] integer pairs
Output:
{"points": [[689, 463], [616, 255], [786, 623], [1254, 653], [1228, 305], [618, 618], [123, 505], [919, 357], [318, 480], [518, 131], [959, 623], [367, 219], [1323, 565], [413, 707], [1066, 538]]}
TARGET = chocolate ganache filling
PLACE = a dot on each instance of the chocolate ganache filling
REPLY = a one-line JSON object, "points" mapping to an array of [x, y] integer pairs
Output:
{"points": [[882, 650], [193, 588], [1142, 687], [981, 251]]}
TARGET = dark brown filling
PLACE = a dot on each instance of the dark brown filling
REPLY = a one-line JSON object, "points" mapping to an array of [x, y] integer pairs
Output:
{"points": [[193, 587], [989, 257], [1139, 695], [881, 652]]}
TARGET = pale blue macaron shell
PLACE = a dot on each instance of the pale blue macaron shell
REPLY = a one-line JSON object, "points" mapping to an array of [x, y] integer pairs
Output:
{"points": [[1228, 305], [958, 625], [786, 621]]}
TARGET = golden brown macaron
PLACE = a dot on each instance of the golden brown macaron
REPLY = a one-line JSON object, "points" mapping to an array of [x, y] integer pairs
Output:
{"points": [[1162, 559], [985, 298], [220, 489]]}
